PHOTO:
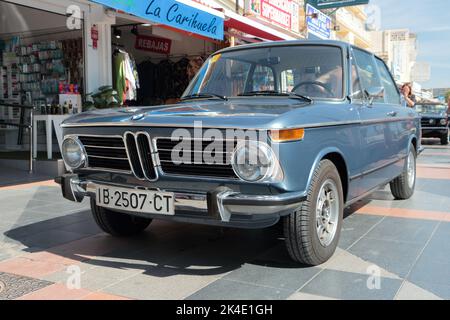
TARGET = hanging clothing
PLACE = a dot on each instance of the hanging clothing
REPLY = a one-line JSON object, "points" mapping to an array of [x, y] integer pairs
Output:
{"points": [[119, 80], [126, 79]]}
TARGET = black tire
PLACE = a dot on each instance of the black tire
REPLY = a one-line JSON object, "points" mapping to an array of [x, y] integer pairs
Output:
{"points": [[400, 187], [300, 227], [444, 139], [118, 224]]}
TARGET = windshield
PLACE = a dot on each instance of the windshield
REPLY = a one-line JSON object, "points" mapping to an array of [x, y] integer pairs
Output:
{"points": [[312, 71], [435, 109]]}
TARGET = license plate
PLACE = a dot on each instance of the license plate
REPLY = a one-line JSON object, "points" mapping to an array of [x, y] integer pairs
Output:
{"points": [[141, 201]]}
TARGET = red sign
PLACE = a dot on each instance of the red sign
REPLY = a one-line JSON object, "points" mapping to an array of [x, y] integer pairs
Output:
{"points": [[277, 11], [94, 36], [153, 44]]}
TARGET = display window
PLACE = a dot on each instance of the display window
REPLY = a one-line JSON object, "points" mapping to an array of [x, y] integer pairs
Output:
{"points": [[153, 65], [41, 67]]}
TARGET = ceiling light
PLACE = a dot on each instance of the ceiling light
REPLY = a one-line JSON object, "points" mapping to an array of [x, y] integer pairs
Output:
{"points": [[117, 33]]}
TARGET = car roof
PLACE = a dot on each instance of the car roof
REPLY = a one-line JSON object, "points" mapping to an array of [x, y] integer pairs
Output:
{"points": [[281, 43], [287, 43]]}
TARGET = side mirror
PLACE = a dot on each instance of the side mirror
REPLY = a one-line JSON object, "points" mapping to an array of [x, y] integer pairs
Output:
{"points": [[373, 93]]}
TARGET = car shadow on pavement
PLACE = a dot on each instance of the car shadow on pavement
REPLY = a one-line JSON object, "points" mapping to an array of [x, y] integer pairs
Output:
{"points": [[434, 143], [164, 250]]}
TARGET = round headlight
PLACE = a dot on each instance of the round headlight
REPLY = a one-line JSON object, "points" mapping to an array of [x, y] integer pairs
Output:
{"points": [[255, 162], [73, 153], [443, 122]]}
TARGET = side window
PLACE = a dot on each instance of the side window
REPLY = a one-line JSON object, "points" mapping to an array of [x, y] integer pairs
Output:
{"points": [[357, 92], [367, 70], [263, 79], [391, 94]]}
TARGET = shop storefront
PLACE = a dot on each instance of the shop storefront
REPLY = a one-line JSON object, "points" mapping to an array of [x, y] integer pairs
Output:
{"points": [[42, 65], [157, 48], [49, 61]]}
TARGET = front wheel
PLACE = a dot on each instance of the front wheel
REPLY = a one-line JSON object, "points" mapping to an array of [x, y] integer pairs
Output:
{"points": [[312, 232], [402, 188], [118, 224], [444, 139]]}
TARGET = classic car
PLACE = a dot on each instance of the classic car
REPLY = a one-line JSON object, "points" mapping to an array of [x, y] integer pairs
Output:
{"points": [[434, 120], [290, 132]]}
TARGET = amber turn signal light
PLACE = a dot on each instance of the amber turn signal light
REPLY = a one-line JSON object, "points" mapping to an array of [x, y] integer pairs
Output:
{"points": [[287, 135]]}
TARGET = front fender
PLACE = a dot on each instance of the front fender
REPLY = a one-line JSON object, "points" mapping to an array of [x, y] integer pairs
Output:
{"points": [[320, 156]]}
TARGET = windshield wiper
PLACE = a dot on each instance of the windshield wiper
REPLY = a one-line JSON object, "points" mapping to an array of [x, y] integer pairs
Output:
{"points": [[204, 96], [292, 95]]}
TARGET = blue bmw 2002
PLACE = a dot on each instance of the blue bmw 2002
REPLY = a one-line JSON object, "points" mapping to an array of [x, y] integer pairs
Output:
{"points": [[293, 131]]}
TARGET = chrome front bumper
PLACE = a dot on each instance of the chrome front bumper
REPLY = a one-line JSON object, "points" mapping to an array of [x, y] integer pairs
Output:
{"points": [[220, 205]]}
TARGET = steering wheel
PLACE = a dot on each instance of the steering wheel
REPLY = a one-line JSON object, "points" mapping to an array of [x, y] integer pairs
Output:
{"points": [[314, 83]]}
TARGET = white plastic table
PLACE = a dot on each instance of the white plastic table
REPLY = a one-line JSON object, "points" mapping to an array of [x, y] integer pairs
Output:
{"points": [[50, 122]]}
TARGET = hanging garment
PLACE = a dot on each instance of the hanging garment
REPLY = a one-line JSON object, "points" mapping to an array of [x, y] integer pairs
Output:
{"points": [[131, 93], [119, 79], [126, 81], [146, 92]]}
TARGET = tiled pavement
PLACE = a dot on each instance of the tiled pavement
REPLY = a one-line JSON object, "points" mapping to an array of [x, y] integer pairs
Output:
{"points": [[45, 241]]}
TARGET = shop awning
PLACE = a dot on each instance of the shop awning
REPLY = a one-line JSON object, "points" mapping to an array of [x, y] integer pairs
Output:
{"points": [[252, 27], [191, 17]]}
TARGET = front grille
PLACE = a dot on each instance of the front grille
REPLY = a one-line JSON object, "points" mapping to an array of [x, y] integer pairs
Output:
{"points": [[106, 153], [190, 165], [140, 154], [130, 154]]}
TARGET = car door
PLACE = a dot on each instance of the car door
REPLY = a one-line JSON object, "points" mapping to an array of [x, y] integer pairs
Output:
{"points": [[402, 124], [377, 133]]}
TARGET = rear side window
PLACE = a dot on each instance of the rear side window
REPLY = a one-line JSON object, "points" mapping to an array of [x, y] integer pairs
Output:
{"points": [[391, 94], [367, 69]]}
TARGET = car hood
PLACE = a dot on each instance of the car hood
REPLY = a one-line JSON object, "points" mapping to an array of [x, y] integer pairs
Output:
{"points": [[246, 113]]}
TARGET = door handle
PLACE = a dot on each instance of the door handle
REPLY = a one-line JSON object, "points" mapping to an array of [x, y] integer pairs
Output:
{"points": [[392, 114]]}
